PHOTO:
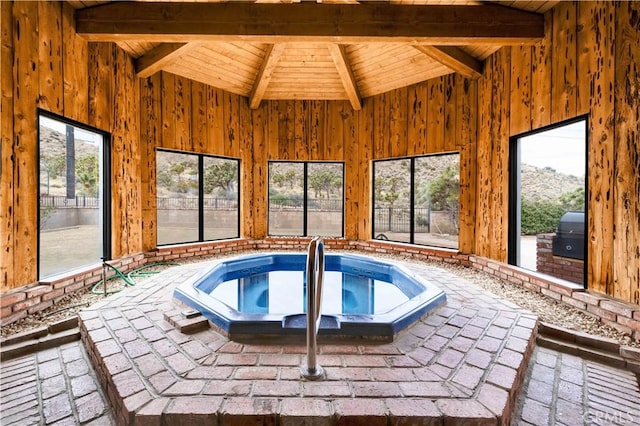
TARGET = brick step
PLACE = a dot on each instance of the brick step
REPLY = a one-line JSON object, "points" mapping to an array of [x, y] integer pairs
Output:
{"points": [[41, 338], [587, 346]]}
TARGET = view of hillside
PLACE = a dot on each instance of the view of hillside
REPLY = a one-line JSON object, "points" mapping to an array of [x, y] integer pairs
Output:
{"points": [[538, 184], [546, 184]]}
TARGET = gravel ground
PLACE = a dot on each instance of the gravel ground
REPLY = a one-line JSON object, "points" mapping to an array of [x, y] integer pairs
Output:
{"points": [[547, 309]]}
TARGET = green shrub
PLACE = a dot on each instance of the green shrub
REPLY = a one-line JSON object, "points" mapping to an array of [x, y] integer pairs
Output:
{"points": [[539, 217]]}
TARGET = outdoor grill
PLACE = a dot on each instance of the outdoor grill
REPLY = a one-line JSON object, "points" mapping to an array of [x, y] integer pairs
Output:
{"points": [[569, 239]]}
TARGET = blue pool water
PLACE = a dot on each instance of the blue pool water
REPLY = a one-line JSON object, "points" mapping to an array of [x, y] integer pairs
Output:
{"points": [[265, 295]]}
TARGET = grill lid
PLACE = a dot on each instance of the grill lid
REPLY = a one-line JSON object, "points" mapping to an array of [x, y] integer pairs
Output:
{"points": [[571, 223]]}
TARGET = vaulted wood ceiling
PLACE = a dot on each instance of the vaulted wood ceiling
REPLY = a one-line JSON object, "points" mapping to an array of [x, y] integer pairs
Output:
{"points": [[319, 49]]}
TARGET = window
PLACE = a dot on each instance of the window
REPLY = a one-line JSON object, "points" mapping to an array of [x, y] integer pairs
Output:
{"points": [[73, 218], [547, 224], [197, 197], [415, 200], [306, 199]]}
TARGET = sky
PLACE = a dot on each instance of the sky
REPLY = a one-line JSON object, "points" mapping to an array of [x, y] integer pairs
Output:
{"points": [[79, 133], [562, 149]]}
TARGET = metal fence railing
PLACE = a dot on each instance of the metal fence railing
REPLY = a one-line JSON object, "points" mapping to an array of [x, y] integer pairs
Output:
{"points": [[312, 204], [191, 203], [398, 219], [60, 201]]}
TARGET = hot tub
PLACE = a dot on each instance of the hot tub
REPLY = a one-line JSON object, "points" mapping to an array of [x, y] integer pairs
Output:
{"points": [[263, 296]]}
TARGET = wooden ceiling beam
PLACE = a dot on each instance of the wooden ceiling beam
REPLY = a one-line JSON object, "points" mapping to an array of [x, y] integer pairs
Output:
{"points": [[454, 58], [154, 60], [306, 21], [269, 63], [339, 56]]}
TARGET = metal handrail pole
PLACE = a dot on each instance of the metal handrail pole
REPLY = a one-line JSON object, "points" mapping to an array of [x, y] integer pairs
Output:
{"points": [[315, 260]]}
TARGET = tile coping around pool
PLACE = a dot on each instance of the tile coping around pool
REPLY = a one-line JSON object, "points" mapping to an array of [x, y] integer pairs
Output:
{"points": [[463, 362]]}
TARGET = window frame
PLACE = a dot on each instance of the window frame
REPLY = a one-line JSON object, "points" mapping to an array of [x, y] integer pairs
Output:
{"points": [[514, 194], [305, 190], [105, 184], [201, 225], [412, 201]]}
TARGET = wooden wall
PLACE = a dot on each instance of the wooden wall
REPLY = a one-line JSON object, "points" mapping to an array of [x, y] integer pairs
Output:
{"points": [[431, 117], [46, 65], [587, 64]]}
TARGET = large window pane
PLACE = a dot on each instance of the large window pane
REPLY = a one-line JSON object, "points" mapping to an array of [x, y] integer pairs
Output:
{"points": [[436, 184], [177, 186], [415, 200], [548, 201], [198, 198], [72, 193], [306, 198], [286, 198], [221, 218], [392, 200], [324, 199]]}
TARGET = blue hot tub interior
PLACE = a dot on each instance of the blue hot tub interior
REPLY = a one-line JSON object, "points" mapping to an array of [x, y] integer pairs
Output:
{"points": [[265, 295]]}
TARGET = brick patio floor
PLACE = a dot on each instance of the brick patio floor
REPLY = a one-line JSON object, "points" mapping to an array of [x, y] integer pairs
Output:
{"points": [[471, 360]]}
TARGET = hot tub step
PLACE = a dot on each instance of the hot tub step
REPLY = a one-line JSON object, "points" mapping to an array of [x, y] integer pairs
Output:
{"points": [[300, 321]]}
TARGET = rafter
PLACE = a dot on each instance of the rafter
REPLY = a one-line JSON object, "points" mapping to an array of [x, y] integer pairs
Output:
{"points": [[270, 61], [158, 57], [454, 58], [339, 56], [336, 23]]}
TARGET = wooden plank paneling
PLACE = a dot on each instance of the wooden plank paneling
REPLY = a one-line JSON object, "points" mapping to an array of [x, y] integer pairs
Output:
{"points": [[435, 115], [352, 175], [245, 151], [500, 154], [417, 122], [101, 85], [300, 135], [626, 194], [520, 104], [183, 113], [236, 105], [169, 117], [541, 77], [586, 42], [563, 64], [601, 162], [334, 130], [398, 122], [363, 165], [199, 137], [316, 129], [76, 85], [450, 110], [150, 129], [484, 149], [286, 142], [6, 147], [125, 159], [215, 118], [257, 188], [25, 97], [50, 86], [381, 145], [466, 101]]}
